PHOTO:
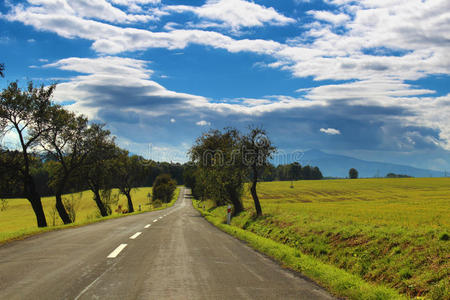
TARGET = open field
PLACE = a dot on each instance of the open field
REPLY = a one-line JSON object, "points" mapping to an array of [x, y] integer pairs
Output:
{"points": [[18, 220], [393, 232]]}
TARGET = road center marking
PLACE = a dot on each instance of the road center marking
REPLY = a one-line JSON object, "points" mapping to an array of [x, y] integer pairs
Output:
{"points": [[160, 218], [156, 220], [117, 251], [135, 235], [147, 226]]}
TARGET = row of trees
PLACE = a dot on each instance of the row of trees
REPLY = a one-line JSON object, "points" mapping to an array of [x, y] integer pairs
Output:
{"points": [[43, 168], [223, 161], [63, 152]]}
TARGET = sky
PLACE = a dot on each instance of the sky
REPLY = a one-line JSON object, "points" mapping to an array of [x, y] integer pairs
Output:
{"points": [[369, 79]]}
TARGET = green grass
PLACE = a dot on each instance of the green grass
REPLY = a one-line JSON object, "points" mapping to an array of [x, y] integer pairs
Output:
{"points": [[389, 232], [18, 220]]}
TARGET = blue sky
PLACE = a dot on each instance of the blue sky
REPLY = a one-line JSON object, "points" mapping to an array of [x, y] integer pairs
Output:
{"points": [[369, 79]]}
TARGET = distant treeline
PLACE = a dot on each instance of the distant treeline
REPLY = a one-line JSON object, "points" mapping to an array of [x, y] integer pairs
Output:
{"points": [[293, 171], [42, 174], [393, 175]]}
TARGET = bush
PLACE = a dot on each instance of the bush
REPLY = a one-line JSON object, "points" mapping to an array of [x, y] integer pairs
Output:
{"points": [[71, 204], [109, 199], [444, 236], [353, 173], [157, 203], [3, 204], [164, 188]]}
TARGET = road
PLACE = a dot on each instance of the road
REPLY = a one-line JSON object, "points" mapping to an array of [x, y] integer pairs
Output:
{"points": [[168, 254]]}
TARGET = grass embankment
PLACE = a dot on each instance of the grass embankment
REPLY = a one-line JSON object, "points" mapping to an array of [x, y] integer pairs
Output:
{"points": [[390, 232], [18, 220]]}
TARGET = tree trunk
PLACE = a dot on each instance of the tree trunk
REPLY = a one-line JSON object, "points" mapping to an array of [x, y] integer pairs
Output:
{"points": [[35, 200], [61, 209], [59, 203], [254, 194], [238, 207], [36, 204], [130, 203], [237, 203], [100, 205]]}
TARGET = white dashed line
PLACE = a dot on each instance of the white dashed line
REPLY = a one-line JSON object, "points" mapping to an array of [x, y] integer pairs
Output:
{"points": [[117, 251], [135, 235], [155, 220], [147, 226], [160, 218]]}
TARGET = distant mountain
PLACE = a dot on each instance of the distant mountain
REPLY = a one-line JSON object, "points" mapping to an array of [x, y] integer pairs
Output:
{"points": [[333, 165]]}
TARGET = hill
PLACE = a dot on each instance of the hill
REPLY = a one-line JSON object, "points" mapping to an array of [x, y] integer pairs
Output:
{"points": [[333, 165]]}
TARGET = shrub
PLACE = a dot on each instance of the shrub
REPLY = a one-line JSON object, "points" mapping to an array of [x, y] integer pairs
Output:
{"points": [[353, 173], [164, 188], [157, 203]]}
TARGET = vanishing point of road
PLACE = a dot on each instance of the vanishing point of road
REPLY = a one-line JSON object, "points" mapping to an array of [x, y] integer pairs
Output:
{"points": [[167, 254]]}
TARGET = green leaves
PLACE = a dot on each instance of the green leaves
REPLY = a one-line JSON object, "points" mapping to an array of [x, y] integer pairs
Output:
{"points": [[164, 188]]}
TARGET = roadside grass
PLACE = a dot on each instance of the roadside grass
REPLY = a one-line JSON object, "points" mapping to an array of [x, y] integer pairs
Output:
{"points": [[18, 220], [337, 281], [389, 232]]}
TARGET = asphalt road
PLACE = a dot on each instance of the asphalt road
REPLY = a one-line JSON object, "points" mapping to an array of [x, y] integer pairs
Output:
{"points": [[169, 254]]}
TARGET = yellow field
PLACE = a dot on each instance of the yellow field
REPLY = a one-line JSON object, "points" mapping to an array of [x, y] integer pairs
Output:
{"points": [[410, 203], [19, 219]]}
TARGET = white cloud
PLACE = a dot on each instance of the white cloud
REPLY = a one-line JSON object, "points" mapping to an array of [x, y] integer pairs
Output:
{"points": [[99, 9], [330, 131], [172, 120], [203, 123], [329, 17], [234, 14], [129, 2], [319, 52], [107, 65]]}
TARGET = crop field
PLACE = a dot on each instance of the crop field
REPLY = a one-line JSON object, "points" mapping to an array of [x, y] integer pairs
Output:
{"points": [[394, 232], [19, 220]]}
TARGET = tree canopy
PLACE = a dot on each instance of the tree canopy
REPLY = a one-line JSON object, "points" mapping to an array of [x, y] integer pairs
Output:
{"points": [[164, 188]]}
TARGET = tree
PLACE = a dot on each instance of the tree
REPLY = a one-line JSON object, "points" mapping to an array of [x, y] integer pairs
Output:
{"points": [[10, 162], [220, 173], [26, 112], [164, 188], [316, 174], [295, 172], [307, 172], [257, 150], [65, 141], [98, 169], [353, 173], [129, 173]]}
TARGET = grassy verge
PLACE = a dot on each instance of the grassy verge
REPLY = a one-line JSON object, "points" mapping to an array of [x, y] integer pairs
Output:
{"points": [[18, 222], [337, 281]]}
